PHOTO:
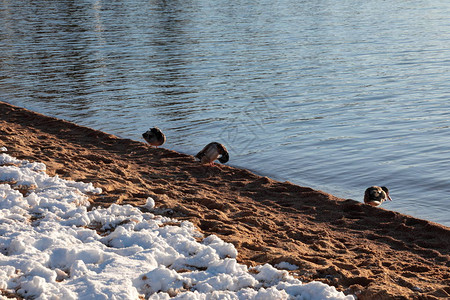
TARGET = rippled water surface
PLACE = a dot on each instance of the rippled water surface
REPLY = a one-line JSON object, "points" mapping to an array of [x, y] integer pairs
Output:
{"points": [[336, 95]]}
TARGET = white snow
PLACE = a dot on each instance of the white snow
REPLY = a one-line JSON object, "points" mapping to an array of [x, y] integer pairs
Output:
{"points": [[286, 266], [53, 247], [150, 204]]}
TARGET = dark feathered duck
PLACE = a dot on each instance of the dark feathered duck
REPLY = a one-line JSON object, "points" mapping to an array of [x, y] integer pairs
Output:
{"points": [[211, 152], [375, 195], [154, 137]]}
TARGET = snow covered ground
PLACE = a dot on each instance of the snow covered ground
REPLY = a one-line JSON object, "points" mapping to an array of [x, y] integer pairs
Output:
{"points": [[53, 247]]}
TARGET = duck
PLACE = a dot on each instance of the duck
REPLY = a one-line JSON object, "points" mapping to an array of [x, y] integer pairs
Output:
{"points": [[375, 195], [211, 152], [154, 137]]}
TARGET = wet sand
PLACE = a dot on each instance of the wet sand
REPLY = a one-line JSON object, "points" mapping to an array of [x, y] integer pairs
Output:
{"points": [[367, 251]]}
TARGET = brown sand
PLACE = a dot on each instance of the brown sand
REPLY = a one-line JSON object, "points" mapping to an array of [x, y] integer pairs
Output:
{"points": [[371, 252]]}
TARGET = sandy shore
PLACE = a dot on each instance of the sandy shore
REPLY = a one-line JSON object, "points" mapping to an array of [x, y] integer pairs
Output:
{"points": [[371, 252]]}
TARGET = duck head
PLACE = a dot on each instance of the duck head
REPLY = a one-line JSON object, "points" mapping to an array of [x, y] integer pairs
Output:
{"points": [[224, 157], [386, 191]]}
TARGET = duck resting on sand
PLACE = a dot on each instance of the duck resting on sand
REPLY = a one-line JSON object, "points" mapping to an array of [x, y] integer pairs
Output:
{"points": [[211, 152], [375, 195], [154, 137]]}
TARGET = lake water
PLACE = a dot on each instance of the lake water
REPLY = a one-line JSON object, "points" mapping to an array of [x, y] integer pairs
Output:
{"points": [[336, 95]]}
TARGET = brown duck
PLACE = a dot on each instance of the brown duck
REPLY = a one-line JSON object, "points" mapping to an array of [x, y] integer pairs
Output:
{"points": [[211, 152], [375, 195], [154, 137]]}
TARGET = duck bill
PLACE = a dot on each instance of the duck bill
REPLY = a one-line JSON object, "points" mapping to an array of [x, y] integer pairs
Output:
{"points": [[389, 198]]}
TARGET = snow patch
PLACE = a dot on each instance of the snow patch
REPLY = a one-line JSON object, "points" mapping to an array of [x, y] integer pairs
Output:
{"points": [[52, 246]]}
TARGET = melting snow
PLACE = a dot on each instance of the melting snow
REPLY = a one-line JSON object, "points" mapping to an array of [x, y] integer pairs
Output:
{"points": [[52, 247]]}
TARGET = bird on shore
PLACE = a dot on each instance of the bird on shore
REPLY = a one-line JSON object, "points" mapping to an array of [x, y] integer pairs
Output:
{"points": [[375, 195], [211, 152], [154, 137]]}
